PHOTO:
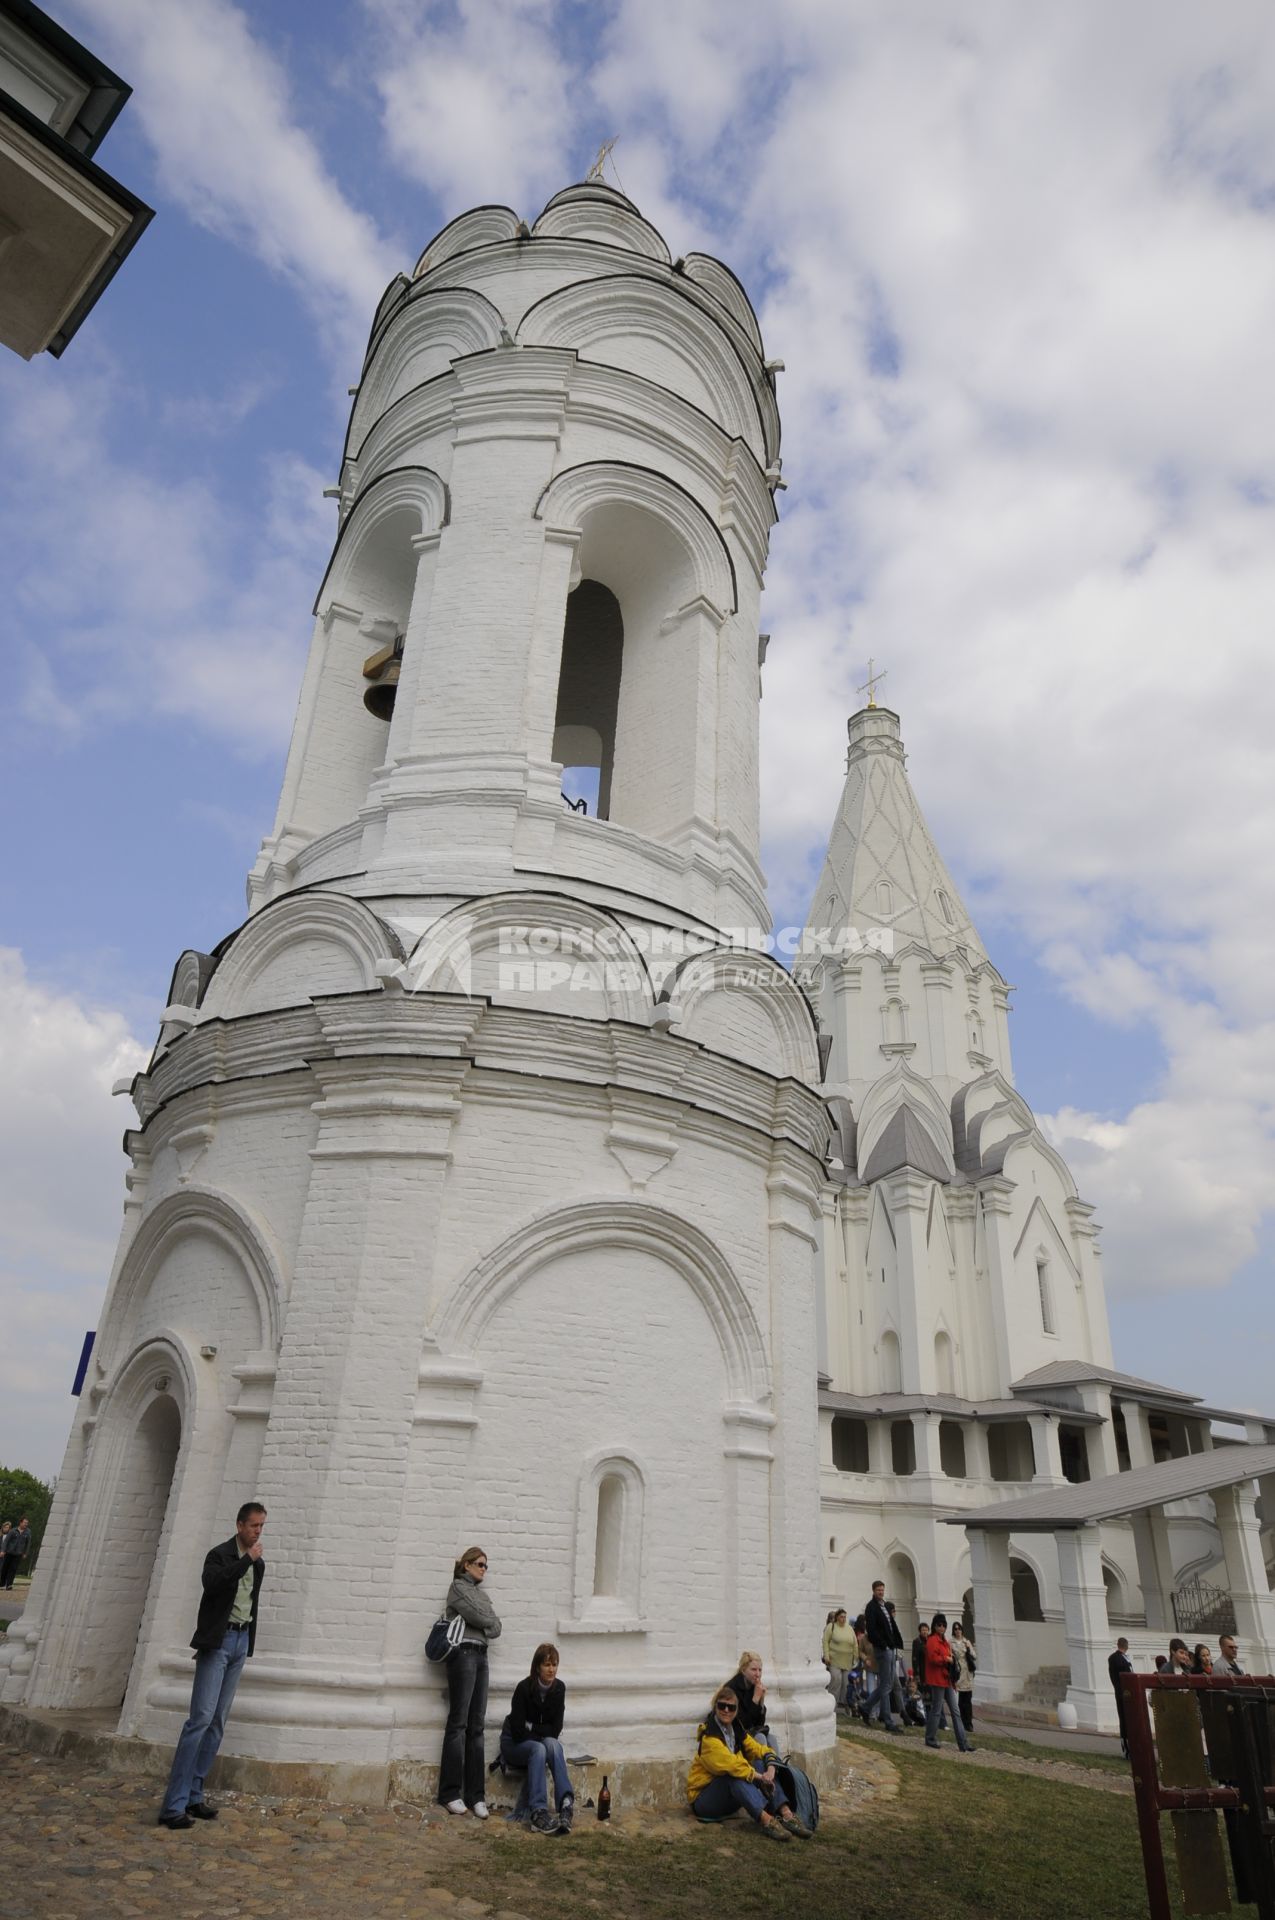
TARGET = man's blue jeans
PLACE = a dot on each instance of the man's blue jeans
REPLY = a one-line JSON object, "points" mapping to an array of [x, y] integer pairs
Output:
{"points": [[885, 1686], [724, 1793], [538, 1758], [217, 1671]]}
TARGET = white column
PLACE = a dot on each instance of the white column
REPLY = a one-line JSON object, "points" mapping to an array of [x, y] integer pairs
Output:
{"points": [[997, 1197], [1045, 1446], [1246, 1576], [880, 1459], [1101, 1441], [847, 984], [1084, 1597], [977, 1464], [909, 1196], [1155, 1566], [1000, 1673], [1138, 1428]]}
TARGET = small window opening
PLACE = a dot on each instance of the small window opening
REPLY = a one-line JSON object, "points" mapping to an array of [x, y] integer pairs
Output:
{"points": [[945, 908], [607, 1553], [885, 897], [589, 697], [1046, 1296]]}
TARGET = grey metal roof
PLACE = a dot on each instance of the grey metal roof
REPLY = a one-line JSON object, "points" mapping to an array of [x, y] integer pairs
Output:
{"points": [[881, 1405], [1127, 1386], [905, 1142], [1117, 1494], [1074, 1373]]}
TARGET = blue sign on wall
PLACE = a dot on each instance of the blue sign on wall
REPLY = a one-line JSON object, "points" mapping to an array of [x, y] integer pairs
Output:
{"points": [[83, 1367]]}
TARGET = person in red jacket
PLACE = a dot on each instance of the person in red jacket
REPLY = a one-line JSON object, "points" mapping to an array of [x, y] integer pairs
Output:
{"points": [[940, 1681]]}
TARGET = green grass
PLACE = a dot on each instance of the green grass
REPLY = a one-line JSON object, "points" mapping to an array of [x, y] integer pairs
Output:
{"points": [[972, 1845]]}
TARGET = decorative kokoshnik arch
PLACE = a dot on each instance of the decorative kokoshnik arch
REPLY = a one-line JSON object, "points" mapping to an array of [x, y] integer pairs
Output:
{"points": [[615, 1223]]}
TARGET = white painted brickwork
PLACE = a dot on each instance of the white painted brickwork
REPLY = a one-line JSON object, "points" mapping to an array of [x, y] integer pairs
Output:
{"points": [[420, 1254]]}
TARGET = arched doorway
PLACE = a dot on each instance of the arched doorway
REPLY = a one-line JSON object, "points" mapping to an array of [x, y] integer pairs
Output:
{"points": [[900, 1586], [126, 1565], [1026, 1591]]}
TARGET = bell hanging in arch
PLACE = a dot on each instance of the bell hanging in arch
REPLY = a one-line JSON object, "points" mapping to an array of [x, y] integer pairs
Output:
{"points": [[382, 669]]}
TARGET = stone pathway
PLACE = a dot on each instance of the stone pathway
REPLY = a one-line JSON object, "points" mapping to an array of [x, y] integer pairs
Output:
{"points": [[90, 1849], [1099, 1778]]}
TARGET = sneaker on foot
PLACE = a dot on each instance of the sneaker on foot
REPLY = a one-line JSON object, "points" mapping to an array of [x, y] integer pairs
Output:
{"points": [[455, 1806], [775, 1829], [566, 1814], [798, 1827], [479, 1809], [542, 1821]]}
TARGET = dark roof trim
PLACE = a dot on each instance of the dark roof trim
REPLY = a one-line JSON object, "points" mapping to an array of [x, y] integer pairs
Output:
{"points": [[484, 206], [107, 92], [375, 344], [141, 217], [676, 287], [365, 493], [635, 466]]}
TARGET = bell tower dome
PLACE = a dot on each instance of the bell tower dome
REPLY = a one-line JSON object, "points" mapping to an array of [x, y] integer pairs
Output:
{"points": [[555, 500]]}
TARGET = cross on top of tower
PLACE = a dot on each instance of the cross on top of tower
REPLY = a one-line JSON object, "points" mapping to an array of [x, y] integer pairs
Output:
{"points": [[872, 682], [598, 170]]}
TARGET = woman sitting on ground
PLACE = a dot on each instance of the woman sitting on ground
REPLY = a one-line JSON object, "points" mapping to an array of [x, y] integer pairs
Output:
{"points": [[731, 1770], [939, 1668], [749, 1689], [531, 1738]]}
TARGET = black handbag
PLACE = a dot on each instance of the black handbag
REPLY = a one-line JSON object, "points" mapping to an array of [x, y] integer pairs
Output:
{"points": [[444, 1637]]}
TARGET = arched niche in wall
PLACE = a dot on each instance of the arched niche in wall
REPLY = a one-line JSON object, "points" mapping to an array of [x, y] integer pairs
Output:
{"points": [[666, 565]]}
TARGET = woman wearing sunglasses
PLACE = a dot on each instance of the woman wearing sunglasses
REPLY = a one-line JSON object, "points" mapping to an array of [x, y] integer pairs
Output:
{"points": [[732, 1770], [460, 1777]]}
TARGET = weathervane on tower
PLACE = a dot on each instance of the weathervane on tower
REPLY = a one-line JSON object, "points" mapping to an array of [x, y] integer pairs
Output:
{"points": [[872, 682]]}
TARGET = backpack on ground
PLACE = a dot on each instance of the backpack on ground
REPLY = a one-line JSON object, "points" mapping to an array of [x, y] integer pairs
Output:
{"points": [[801, 1792]]}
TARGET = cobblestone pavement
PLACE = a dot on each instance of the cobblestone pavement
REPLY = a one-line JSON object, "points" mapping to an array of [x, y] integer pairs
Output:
{"points": [[89, 1848]]}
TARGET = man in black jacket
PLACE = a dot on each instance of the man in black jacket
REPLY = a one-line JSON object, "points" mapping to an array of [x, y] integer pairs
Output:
{"points": [[225, 1634], [886, 1639]]}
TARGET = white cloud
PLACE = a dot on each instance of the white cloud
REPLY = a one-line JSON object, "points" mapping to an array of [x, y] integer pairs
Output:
{"points": [[61, 1194], [216, 105], [152, 597], [477, 101]]}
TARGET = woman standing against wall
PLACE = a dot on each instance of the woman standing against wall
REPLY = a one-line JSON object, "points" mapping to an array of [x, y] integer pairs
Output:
{"points": [[461, 1775]]}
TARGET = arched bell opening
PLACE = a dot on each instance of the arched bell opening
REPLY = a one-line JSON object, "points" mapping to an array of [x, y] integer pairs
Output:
{"points": [[589, 696], [633, 674]]}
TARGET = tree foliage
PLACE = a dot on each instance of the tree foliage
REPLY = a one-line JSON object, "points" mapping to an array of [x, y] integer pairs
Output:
{"points": [[21, 1492]]}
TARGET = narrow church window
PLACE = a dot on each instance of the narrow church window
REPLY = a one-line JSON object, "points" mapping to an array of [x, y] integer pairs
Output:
{"points": [[945, 908], [1046, 1296], [885, 897], [610, 1538], [891, 1363], [589, 697]]}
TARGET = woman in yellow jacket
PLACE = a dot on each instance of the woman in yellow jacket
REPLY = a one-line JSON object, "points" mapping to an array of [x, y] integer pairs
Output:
{"points": [[732, 1770]]}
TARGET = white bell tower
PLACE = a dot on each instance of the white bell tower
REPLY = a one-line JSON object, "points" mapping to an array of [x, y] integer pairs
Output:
{"points": [[476, 1186]]}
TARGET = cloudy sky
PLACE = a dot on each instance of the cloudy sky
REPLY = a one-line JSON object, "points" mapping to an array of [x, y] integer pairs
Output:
{"points": [[1020, 262]]}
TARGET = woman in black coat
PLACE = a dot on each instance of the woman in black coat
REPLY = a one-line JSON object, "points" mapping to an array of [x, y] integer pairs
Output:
{"points": [[749, 1689], [531, 1739]]}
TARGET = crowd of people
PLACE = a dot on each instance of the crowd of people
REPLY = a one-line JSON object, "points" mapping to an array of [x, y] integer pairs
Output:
{"points": [[734, 1767], [1180, 1660], [15, 1545], [868, 1674]]}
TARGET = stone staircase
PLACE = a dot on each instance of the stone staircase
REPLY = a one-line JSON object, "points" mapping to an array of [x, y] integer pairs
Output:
{"points": [[1036, 1705]]}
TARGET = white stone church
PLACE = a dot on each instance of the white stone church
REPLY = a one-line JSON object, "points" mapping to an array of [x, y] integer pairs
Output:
{"points": [[490, 1185]]}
